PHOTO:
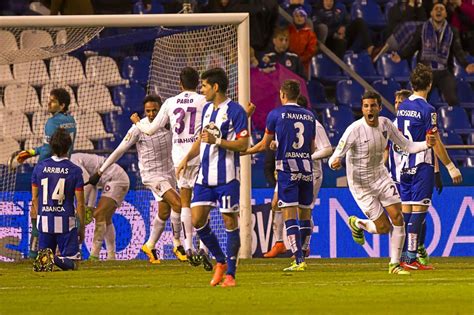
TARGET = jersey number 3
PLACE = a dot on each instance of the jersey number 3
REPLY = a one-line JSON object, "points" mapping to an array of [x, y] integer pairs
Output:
{"points": [[298, 143]]}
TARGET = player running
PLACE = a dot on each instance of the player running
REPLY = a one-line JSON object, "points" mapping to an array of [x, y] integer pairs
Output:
{"points": [[364, 142], [114, 184]]}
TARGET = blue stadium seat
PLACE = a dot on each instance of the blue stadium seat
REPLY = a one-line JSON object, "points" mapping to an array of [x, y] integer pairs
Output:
{"points": [[108, 144], [129, 97], [465, 94], [470, 141], [325, 69], [461, 73], [349, 92], [337, 118], [452, 138], [317, 95], [387, 88], [334, 136], [469, 162], [386, 113], [389, 69], [370, 12], [362, 64], [136, 68], [453, 118], [117, 124]]}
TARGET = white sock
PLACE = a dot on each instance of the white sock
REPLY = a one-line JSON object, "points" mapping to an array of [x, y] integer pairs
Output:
{"points": [[156, 231], [397, 238], [278, 226], [367, 225], [99, 232], [109, 238], [187, 228], [176, 227]]}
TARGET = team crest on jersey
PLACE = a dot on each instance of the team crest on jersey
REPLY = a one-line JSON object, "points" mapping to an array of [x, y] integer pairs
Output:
{"points": [[106, 188], [288, 63], [224, 117], [213, 129], [434, 119], [128, 136]]}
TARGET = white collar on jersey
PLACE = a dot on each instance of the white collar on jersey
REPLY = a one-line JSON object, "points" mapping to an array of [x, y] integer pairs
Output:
{"points": [[227, 100], [58, 159], [414, 97], [294, 104]]}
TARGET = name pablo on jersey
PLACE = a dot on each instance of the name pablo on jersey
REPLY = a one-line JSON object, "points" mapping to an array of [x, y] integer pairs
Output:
{"points": [[213, 129], [184, 100], [409, 113], [56, 170]]}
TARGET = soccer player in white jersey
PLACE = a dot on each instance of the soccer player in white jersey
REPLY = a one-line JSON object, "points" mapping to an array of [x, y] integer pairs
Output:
{"points": [[183, 113], [416, 117], [364, 142], [157, 173], [114, 184], [224, 134]]}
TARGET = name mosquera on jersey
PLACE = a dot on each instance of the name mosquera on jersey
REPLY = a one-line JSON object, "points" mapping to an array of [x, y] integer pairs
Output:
{"points": [[409, 113]]}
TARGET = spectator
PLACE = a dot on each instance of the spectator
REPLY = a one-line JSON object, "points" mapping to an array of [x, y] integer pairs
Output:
{"points": [[281, 55], [71, 7], [333, 26], [462, 19], [302, 39], [437, 43]]}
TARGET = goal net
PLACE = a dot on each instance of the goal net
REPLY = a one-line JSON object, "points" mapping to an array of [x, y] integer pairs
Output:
{"points": [[107, 70]]}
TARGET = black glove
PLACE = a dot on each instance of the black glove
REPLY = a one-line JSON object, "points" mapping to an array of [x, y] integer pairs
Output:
{"points": [[94, 179], [438, 182]]}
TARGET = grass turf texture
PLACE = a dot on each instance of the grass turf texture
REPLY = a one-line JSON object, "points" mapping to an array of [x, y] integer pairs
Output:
{"points": [[329, 286]]}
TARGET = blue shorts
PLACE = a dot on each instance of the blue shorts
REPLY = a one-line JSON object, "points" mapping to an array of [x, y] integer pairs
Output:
{"points": [[295, 189], [416, 185], [227, 195], [68, 242]]}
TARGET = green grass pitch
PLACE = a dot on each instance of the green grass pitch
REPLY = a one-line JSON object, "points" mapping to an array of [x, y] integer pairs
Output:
{"points": [[329, 286]]}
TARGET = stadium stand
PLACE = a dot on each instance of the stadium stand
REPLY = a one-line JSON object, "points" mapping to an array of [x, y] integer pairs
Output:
{"points": [[325, 69], [348, 93], [34, 73], [455, 119], [75, 74], [103, 70], [21, 98], [370, 11], [136, 68], [389, 69], [362, 64], [96, 97], [337, 118]]}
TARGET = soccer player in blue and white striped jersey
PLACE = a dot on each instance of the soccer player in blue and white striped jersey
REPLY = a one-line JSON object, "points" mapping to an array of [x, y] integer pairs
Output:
{"points": [[56, 182], [224, 134]]}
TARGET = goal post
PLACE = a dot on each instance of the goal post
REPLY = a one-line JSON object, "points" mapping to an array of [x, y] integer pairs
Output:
{"points": [[239, 20]]}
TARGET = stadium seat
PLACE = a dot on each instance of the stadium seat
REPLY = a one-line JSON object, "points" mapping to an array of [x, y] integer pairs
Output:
{"points": [[34, 72], [387, 88], [30, 39], [362, 64], [470, 141], [334, 136], [400, 72], [129, 97], [461, 73], [90, 126], [38, 122], [83, 144], [136, 69], [469, 162], [348, 93], [6, 76], [8, 145], [452, 138], [455, 119], [45, 92], [95, 97], [117, 123], [109, 144], [103, 70], [337, 118], [15, 125], [317, 95], [22, 98], [67, 70], [465, 94], [8, 41], [386, 113], [61, 37], [370, 12], [325, 69]]}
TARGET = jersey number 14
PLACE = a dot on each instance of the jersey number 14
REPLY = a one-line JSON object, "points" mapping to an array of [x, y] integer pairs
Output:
{"points": [[58, 192]]}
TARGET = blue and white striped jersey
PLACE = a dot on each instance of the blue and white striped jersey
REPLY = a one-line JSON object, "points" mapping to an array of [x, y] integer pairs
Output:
{"points": [[229, 122], [295, 130], [57, 180], [415, 118]]}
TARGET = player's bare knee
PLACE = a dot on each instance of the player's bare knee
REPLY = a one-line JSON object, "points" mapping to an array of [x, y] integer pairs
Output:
{"points": [[230, 221], [198, 222]]}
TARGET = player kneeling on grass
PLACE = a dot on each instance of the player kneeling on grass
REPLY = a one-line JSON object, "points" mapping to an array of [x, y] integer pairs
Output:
{"points": [[373, 189], [114, 184], [55, 182]]}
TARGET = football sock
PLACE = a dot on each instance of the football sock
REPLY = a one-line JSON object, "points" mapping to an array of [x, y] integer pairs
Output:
{"points": [[187, 228], [397, 239], [367, 225], [99, 232], [203, 247], [406, 218], [34, 239], [421, 241], [233, 245], [64, 263], [294, 239], [413, 234], [210, 240], [278, 226], [176, 227], [305, 231], [109, 238], [156, 231]]}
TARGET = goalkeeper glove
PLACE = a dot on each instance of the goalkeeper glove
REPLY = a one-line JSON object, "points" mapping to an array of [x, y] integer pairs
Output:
{"points": [[438, 182], [19, 157], [94, 179]]}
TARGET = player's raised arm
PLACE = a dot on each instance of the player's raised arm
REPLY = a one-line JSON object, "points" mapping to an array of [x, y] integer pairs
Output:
{"points": [[345, 143], [405, 144], [159, 122]]}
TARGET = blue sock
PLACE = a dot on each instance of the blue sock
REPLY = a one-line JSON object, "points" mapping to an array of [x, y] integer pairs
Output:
{"points": [[306, 231], [210, 240], [64, 263], [233, 245], [413, 234], [406, 219], [294, 239]]}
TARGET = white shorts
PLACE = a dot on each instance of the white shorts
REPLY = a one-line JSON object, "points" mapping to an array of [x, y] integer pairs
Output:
{"points": [[160, 185], [117, 188], [372, 201], [188, 177]]}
